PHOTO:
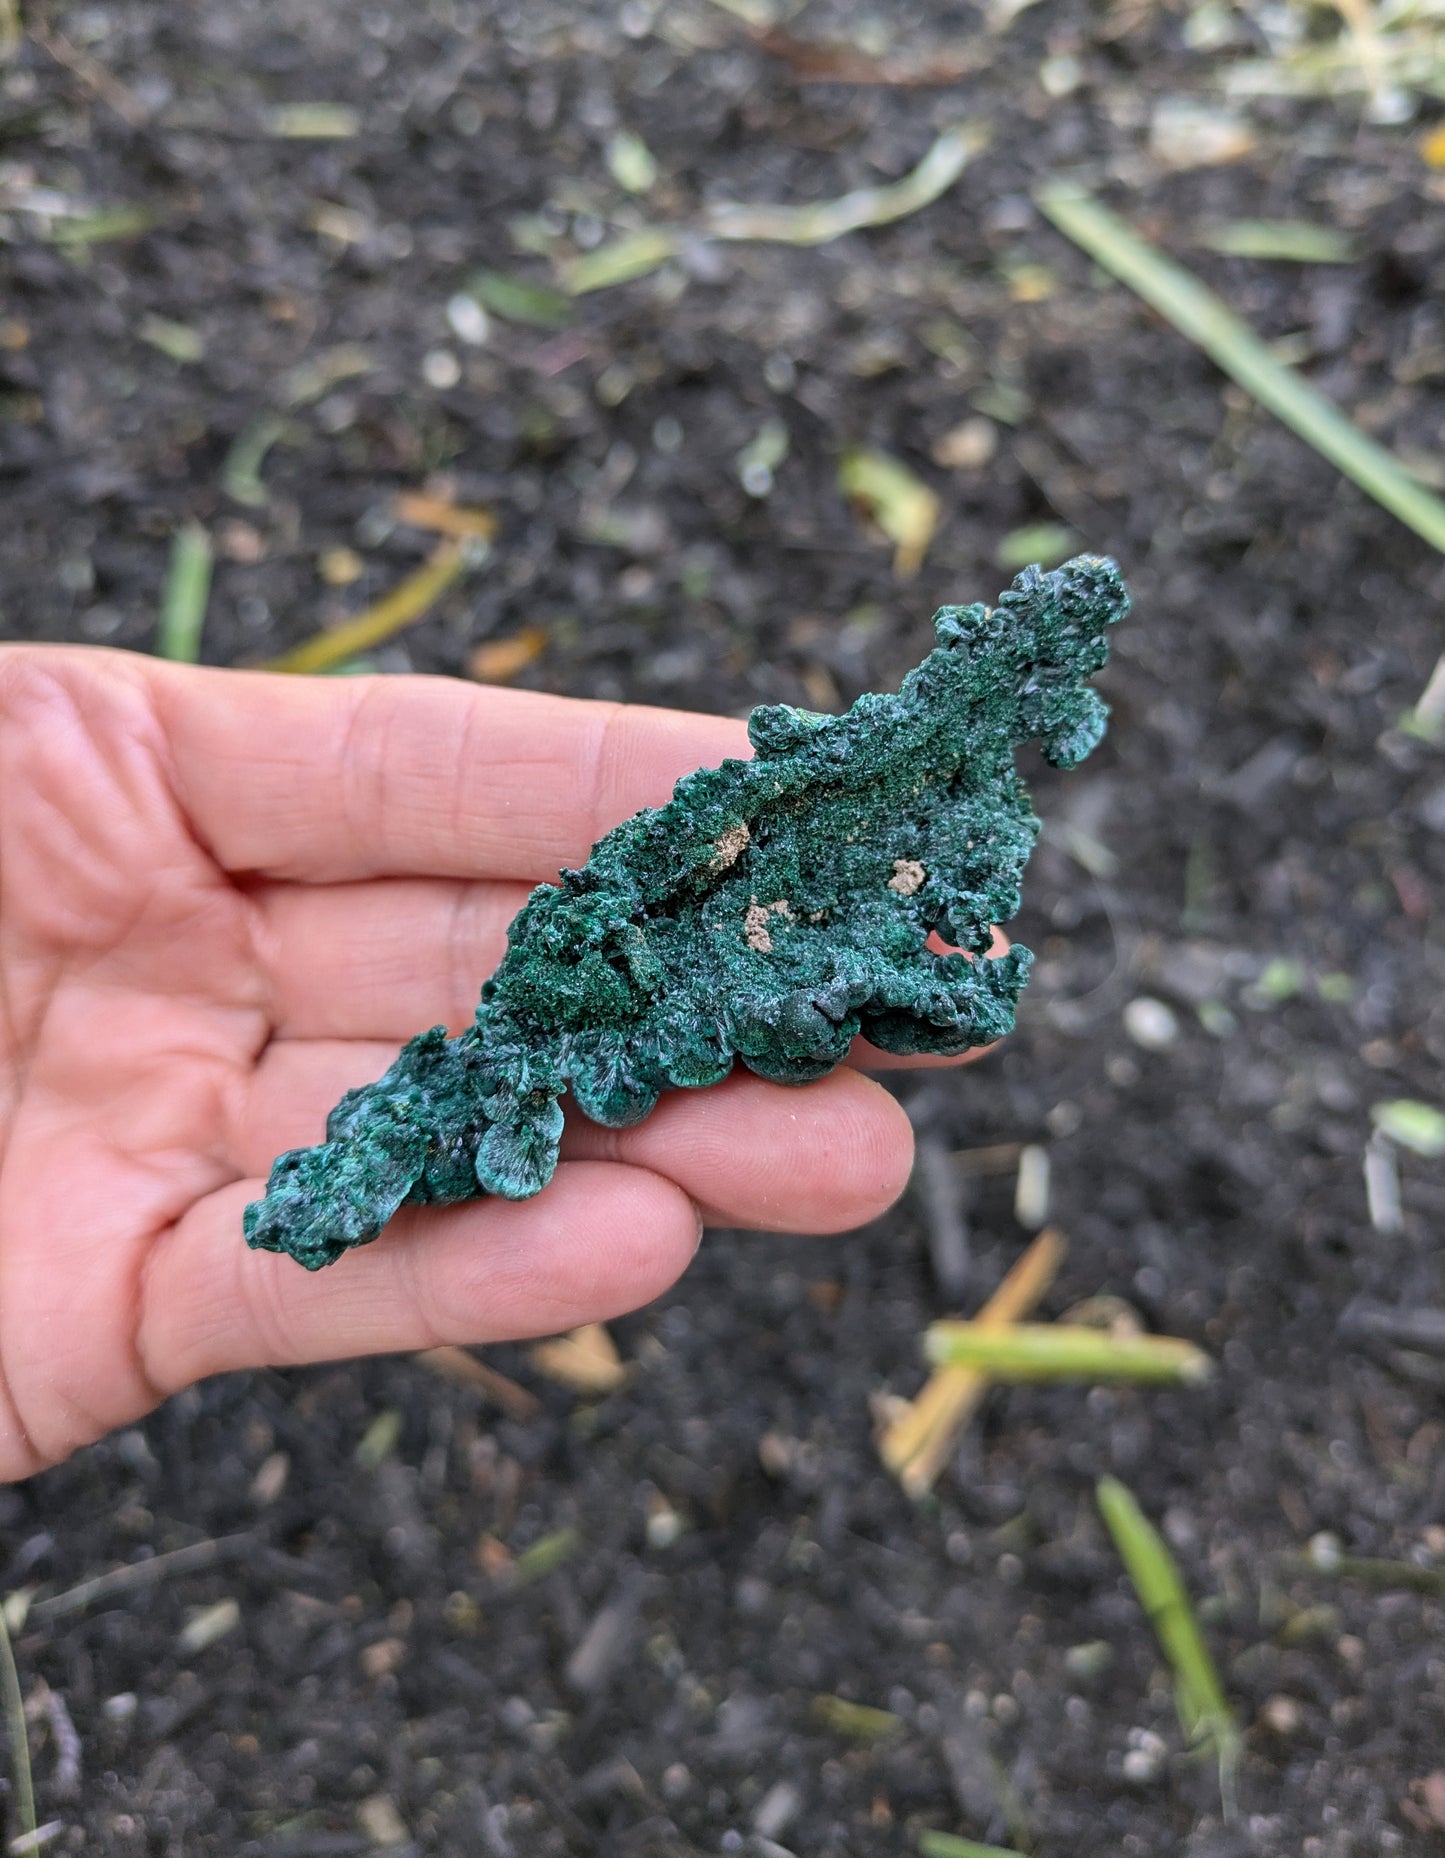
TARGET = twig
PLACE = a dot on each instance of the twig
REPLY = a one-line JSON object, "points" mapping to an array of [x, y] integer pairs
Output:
{"points": [[1062, 1352], [1204, 1712], [1232, 345], [994, 1158], [918, 1445], [1382, 1185], [91, 73], [462, 1369], [941, 1191], [403, 606], [443, 518], [815, 61], [19, 1734], [1416, 1326], [142, 1574]]}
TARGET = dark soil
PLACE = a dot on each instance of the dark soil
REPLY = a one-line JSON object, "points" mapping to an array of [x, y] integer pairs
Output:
{"points": [[1255, 804]]}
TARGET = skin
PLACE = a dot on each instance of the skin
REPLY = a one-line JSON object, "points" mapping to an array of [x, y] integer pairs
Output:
{"points": [[226, 897]]}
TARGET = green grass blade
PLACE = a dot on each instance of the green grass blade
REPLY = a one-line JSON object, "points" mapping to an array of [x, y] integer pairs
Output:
{"points": [[241, 473], [1204, 1711], [1232, 345], [545, 1554], [1285, 241], [860, 1722], [187, 594], [19, 1737], [1063, 1352], [633, 255], [949, 1845]]}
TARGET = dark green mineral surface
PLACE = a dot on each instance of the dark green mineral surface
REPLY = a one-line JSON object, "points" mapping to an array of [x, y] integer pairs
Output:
{"points": [[772, 911]]}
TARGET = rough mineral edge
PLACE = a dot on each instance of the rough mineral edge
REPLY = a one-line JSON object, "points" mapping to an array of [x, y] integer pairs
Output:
{"points": [[773, 911]]}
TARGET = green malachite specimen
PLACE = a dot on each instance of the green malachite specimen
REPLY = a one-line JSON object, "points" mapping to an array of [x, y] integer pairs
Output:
{"points": [[772, 911]]}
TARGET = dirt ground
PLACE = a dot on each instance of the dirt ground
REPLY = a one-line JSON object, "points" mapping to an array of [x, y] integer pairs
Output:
{"points": [[1258, 847]]}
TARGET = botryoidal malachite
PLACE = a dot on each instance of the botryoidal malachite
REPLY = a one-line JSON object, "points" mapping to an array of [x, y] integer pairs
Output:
{"points": [[772, 911]]}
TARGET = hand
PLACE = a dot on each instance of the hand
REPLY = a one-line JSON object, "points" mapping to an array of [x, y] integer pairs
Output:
{"points": [[226, 897]]}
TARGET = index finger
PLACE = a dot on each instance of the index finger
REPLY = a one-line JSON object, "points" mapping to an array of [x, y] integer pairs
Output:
{"points": [[334, 779]]}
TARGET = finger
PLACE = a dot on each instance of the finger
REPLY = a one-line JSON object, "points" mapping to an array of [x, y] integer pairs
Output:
{"points": [[603, 1239], [865, 1057], [824, 1158], [380, 959], [333, 779]]}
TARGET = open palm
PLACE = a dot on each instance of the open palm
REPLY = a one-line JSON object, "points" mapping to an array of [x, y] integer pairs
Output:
{"points": [[225, 898]]}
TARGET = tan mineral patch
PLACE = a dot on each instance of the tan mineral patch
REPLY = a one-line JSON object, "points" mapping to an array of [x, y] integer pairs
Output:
{"points": [[731, 846], [755, 929], [908, 877]]}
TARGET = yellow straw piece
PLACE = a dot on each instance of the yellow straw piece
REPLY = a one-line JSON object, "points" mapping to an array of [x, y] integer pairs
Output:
{"points": [[404, 605], [919, 1444]]}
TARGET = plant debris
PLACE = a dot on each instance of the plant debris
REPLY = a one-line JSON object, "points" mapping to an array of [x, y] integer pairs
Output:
{"points": [[1198, 314], [402, 607]]}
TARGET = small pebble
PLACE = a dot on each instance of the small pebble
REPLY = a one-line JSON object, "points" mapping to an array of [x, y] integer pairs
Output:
{"points": [[470, 322], [1280, 1714], [1091, 1659], [270, 1479], [969, 446], [1145, 1755], [1150, 1024], [441, 369], [776, 1810], [780, 373], [1031, 1190], [1060, 75], [381, 1822], [208, 1624]]}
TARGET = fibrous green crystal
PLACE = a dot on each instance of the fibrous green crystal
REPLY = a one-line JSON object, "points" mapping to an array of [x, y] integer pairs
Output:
{"points": [[773, 911]]}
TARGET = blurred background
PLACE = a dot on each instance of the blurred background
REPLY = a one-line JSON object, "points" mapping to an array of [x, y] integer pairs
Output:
{"points": [[470, 339]]}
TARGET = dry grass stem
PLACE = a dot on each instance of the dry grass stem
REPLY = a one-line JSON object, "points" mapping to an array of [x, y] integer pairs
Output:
{"points": [[586, 1361], [463, 1369], [916, 1446], [402, 607]]}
